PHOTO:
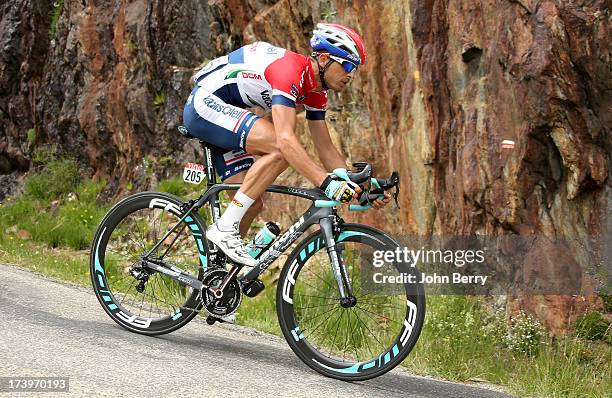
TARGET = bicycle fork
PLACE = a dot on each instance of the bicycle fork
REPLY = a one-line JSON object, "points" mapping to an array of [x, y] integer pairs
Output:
{"points": [[347, 299]]}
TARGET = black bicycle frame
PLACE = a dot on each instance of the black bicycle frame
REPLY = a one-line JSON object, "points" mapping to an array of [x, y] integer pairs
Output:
{"points": [[326, 217]]}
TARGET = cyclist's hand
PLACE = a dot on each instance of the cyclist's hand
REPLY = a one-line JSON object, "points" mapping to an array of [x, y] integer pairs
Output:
{"points": [[380, 203], [376, 197], [338, 187]]}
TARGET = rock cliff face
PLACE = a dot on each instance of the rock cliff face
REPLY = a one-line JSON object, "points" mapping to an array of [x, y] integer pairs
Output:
{"points": [[445, 83]]}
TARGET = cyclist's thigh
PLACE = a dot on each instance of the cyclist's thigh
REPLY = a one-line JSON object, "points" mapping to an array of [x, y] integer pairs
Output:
{"points": [[231, 163], [216, 122], [261, 138]]}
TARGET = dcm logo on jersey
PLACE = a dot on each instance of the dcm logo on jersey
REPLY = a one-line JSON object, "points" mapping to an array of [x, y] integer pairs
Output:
{"points": [[246, 74], [251, 75]]}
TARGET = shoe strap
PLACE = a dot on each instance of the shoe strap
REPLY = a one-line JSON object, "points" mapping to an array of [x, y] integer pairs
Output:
{"points": [[234, 241]]}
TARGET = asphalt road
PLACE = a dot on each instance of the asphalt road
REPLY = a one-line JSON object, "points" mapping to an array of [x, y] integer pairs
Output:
{"points": [[50, 328]]}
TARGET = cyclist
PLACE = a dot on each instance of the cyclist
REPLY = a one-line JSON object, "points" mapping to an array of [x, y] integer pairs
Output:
{"points": [[275, 79]]}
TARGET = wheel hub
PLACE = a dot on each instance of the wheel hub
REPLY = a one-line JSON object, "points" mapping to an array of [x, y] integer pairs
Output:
{"points": [[348, 302]]}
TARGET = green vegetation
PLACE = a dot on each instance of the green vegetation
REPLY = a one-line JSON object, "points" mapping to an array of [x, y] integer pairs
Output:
{"points": [[260, 312], [166, 161], [130, 45], [31, 136], [57, 178], [328, 13], [44, 155], [353, 106], [594, 326], [176, 186], [58, 6], [61, 263], [607, 302], [460, 341], [56, 208], [159, 100]]}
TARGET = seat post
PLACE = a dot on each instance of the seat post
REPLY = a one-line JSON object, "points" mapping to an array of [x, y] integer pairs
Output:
{"points": [[210, 167], [215, 204]]}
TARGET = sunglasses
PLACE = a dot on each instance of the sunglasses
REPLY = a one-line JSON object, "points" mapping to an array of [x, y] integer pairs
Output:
{"points": [[347, 65]]}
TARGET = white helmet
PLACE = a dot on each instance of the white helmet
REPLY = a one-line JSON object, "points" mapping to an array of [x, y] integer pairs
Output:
{"points": [[340, 41]]}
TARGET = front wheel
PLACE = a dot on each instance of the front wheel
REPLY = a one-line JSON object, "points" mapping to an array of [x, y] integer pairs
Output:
{"points": [[355, 342]]}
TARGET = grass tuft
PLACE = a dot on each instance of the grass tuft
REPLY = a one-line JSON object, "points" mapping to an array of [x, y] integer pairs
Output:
{"points": [[57, 178], [58, 6]]}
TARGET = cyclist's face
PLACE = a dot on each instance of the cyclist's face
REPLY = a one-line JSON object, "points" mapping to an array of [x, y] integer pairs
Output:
{"points": [[336, 77]]}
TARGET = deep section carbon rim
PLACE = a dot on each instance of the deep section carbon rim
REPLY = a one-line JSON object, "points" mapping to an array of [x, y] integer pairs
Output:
{"points": [[135, 296], [355, 343]]}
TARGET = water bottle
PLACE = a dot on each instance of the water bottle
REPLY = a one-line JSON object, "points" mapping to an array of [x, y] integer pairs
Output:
{"points": [[263, 239]]}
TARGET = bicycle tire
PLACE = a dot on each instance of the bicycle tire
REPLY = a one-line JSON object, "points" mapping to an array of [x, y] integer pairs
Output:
{"points": [[170, 313], [311, 343]]}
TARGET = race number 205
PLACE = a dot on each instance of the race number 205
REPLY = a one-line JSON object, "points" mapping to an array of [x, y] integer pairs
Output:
{"points": [[34, 384], [193, 173]]}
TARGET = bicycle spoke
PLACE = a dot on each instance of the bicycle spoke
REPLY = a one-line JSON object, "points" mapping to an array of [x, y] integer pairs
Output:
{"points": [[320, 314], [373, 313], [313, 287], [314, 306], [374, 335], [323, 280], [125, 294], [325, 298], [348, 315], [363, 334], [311, 332], [336, 331]]}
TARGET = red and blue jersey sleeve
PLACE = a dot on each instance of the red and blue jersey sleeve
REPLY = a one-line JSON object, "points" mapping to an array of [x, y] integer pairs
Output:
{"points": [[286, 76], [315, 104]]}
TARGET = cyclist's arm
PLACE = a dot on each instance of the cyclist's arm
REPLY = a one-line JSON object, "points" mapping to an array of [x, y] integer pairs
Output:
{"points": [[328, 153], [284, 125]]}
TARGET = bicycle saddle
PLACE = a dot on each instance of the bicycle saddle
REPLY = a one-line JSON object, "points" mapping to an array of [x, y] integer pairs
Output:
{"points": [[183, 130]]}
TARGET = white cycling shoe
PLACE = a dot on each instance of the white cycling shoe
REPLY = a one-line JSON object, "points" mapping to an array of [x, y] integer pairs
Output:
{"points": [[230, 243]]}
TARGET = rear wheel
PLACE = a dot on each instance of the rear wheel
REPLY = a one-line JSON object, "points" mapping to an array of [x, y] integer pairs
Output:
{"points": [[133, 295], [358, 342]]}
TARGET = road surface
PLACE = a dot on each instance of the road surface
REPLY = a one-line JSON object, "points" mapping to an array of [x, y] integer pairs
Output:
{"points": [[49, 328]]}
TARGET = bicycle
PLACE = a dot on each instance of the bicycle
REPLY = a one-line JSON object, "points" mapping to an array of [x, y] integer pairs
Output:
{"points": [[149, 255]]}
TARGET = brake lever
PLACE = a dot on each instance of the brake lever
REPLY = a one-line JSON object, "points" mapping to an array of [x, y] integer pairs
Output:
{"points": [[395, 180]]}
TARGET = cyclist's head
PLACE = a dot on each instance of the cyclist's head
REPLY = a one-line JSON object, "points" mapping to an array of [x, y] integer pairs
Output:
{"points": [[339, 41], [340, 50]]}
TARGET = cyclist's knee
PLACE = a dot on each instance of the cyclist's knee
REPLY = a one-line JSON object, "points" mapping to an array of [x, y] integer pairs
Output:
{"points": [[279, 158]]}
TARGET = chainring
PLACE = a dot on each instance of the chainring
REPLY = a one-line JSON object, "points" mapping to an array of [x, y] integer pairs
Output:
{"points": [[232, 295]]}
